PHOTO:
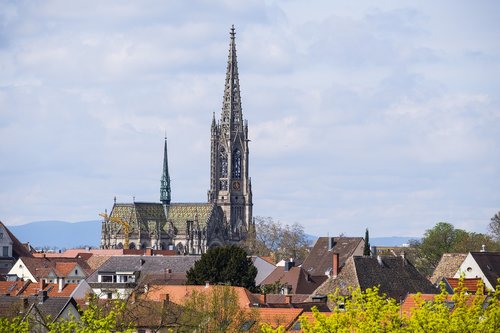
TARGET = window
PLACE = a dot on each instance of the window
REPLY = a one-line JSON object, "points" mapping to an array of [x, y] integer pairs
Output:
{"points": [[76, 272], [106, 278], [1, 235], [5, 251]]}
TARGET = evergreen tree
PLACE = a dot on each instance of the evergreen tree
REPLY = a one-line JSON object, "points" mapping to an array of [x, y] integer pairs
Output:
{"points": [[366, 250], [224, 265]]}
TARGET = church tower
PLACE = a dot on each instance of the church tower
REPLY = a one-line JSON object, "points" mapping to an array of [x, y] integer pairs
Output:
{"points": [[230, 185]]}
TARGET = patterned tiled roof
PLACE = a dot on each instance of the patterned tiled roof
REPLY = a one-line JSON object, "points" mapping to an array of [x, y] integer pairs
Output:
{"points": [[138, 215], [179, 213]]}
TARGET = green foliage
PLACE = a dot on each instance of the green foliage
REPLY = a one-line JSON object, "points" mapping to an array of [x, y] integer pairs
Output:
{"points": [[444, 238], [366, 249], [371, 312], [13, 325], [96, 318], [224, 265]]}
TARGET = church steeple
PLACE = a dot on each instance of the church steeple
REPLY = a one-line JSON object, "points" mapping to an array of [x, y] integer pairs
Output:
{"points": [[229, 178], [165, 179], [231, 117]]}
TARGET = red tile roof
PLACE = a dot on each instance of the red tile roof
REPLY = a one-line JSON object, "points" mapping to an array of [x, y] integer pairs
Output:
{"points": [[279, 316], [471, 284], [178, 294], [412, 301]]}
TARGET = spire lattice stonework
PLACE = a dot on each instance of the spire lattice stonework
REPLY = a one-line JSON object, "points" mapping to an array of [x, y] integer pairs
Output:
{"points": [[165, 195]]}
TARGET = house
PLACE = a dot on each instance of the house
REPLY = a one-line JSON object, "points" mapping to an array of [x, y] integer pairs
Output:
{"points": [[264, 268], [484, 265], [52, 270], [289, 279], [395, 276], [447, 266], [119, 276], [319, 262], [39, 310], [10, 249]]}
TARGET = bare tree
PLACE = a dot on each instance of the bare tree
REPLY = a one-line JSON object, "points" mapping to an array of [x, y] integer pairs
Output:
{"points": [[494, 227]]}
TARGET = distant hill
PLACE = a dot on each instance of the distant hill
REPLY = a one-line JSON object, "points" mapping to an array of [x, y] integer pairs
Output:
{"points": [[59, 234], [67, 235]]}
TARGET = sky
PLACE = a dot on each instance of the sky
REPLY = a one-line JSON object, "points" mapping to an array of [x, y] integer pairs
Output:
{"points": [[382, 115]]}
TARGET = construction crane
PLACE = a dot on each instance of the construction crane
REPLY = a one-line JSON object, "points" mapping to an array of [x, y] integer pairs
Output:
{"points": [[118, 220]]}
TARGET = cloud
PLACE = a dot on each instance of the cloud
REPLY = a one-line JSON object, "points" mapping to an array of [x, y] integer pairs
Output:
{"points": [[360, 114]]}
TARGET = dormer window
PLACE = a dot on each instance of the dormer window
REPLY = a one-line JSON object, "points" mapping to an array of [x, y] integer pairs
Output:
{"points": [[76, 271]]}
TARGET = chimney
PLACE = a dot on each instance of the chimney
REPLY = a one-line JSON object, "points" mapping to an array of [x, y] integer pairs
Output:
{"points": [[149, 252], [264, 298], [207, 284], [42, 284], [374, 251], [330, 243], [61, 284], [483, 248], [288, 299], [42, 296], [335, 265], [379, 259]]}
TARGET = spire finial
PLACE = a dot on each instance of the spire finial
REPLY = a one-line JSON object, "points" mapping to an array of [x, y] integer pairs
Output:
{"points": [[232, 33], [165, 179]]}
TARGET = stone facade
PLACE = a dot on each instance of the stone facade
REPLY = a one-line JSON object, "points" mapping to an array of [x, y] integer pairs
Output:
{"points": [[191, 228]]}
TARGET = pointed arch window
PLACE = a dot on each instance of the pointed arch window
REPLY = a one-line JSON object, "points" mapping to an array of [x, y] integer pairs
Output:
{"points": [[237, 163], [223, 163]]}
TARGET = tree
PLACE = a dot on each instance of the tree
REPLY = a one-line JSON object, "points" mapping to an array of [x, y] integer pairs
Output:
{"points": [[494, 227], [224, 265], [444, 238], [280, 241], [216, 310], [366, 249], [370, 311]]}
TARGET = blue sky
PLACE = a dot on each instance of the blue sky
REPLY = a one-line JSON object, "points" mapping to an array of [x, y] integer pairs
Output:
{"points": [[382, 114]]}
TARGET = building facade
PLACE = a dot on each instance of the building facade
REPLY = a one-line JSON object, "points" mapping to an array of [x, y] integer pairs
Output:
{"points": [[191, 228]]}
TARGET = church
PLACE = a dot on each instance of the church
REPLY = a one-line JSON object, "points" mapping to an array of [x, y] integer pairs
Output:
{"points": [[192, 228]]}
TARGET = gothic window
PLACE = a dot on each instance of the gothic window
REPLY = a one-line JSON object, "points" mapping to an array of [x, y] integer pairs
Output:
{"points": [[223, 163], [237, 164], [223, 185]]}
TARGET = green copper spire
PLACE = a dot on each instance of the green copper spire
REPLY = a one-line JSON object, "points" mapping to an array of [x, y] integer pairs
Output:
{"points": [[165, 179]]}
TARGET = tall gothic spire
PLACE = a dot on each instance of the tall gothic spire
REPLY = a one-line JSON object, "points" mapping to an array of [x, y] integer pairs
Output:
{"points": [[231, 117], [165, 179]]}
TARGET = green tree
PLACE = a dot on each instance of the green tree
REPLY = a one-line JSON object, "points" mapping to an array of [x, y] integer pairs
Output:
{"points": [[224, 265], [366, 249], [13, 325], [370, 311], [96, 318], [444, 238]]}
